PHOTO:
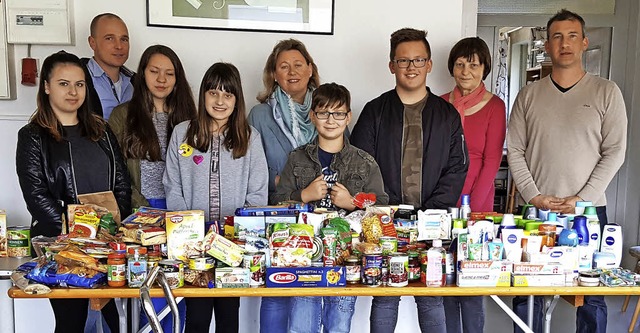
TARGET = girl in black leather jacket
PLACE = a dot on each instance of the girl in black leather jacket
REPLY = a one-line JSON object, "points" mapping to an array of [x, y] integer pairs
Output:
{"points": [[67, 150]]}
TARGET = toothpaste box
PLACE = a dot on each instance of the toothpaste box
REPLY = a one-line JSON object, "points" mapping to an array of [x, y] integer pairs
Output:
{"points": [[526, 268], [484, 266], [542, 280], [293, 277], [484, 279]]}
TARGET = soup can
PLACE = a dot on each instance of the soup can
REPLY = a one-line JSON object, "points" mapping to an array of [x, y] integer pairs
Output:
{"points": [[255, 262], [198, 263], [18, 242], [371, 271], [173, 271], [398, 270]]}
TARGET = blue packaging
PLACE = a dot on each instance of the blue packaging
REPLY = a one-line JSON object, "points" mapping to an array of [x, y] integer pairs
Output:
{"points": [[295, 277]]}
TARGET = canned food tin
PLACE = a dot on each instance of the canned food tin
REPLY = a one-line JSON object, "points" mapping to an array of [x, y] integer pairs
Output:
{"points": [[371, 271], [254, 261], [398, 270], [18, 241], [173, 271], [201, 263], [388, 245]]}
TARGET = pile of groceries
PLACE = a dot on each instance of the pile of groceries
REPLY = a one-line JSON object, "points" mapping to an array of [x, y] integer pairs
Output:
{"points": [[295, 245]]}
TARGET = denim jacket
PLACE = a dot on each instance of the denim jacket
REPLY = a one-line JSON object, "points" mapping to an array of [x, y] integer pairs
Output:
{"points": [[356, 169]]}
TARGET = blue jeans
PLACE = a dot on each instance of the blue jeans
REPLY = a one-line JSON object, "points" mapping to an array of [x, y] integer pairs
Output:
{"points": [[274, 314], [309, 315], [590, 317], [471, 308], [384, 314]]}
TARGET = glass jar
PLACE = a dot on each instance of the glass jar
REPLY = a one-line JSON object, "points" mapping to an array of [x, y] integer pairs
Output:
{"points": [[116, 270], [137, 266], [414, 266], [153, 259], [352, 270]]}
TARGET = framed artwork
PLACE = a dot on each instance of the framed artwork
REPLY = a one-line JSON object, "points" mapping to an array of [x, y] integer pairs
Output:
{"points": [[293, 16]]}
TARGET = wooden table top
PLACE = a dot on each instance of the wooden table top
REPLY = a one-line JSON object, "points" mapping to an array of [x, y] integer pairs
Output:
{"points": [[414, 289]]}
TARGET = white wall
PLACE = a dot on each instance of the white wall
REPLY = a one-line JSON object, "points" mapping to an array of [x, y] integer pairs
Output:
{"points": [[356, 55]]}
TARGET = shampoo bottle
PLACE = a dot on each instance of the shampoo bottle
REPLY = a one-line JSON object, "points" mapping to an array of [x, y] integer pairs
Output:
{"points": [[612, 241]]}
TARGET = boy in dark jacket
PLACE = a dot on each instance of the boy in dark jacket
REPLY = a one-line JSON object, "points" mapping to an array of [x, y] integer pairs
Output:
{"points": [[416, 137]]}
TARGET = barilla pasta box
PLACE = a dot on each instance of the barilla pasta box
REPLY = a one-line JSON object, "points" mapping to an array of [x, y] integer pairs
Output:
{"points": [[3, 233], [185, 232], [294, 277]]}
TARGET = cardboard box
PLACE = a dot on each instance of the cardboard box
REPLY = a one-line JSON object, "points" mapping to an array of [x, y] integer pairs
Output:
{"points": [[543, 280], [484, 266], [489, 279], [250, 232], [185, 230], [270, 220], [564, 255], [232, 277], [294, 277], [527, 268]]}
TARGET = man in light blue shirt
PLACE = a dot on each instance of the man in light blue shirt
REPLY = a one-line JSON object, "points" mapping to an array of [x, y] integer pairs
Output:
{"points": [[111, 82]]}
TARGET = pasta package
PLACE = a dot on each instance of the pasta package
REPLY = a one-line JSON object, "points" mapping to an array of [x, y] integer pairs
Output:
{"points": [[373, 224]]}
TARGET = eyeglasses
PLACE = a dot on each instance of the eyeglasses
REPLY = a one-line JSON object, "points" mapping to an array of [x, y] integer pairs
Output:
{"points": [[417, 63], [324, 115]]}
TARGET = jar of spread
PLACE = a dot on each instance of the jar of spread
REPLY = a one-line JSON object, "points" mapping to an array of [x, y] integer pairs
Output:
{"points": [[116, 270], [352, 270], [414, 266]]}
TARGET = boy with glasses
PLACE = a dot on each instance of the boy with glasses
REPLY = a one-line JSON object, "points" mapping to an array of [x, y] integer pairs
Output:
{"points": [[328, 172], [416, 137]]}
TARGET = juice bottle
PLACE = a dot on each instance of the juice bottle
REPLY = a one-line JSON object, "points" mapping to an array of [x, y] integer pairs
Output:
{"points": [[436, 261]]}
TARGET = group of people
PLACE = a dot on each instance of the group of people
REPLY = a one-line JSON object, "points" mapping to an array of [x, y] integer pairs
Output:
{"points": [[101, 127]]}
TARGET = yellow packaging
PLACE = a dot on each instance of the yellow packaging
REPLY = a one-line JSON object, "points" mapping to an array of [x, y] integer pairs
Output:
{"points": [[223, 249], [3, 233], [185, 231]]}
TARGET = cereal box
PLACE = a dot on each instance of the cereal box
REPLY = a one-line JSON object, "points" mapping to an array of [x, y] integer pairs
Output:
{"points": [[3, 233], [185, 231]]}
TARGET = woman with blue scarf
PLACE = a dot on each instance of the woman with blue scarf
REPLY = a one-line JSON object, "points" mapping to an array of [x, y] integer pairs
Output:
{"points": [[282, 118]]}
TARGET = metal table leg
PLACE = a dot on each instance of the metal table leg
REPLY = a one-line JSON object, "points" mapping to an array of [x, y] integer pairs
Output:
{"points": [[121, 306], [511, 314], [530, 307], [135, 314], [550, 305]]}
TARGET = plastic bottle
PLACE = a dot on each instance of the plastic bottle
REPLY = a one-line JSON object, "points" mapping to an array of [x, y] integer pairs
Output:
{"points": [[593, 226], [136, 266], [465, 208], [580, 226], [436, 260]]}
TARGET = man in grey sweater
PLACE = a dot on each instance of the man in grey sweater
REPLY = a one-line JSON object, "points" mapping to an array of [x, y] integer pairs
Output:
{"points": [[566, 140]]}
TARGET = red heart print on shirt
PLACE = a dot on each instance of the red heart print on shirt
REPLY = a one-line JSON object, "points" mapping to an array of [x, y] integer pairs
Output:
{"points": [[197, 159]]}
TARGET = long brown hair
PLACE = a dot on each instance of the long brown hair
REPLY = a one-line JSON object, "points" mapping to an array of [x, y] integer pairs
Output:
{"points": [[269, 72], [225, 77], [91, 125], [140, 137]]}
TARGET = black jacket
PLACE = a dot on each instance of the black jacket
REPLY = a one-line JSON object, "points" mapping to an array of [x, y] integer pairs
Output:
{"points": [[94, 99], [47, 181], [445, 160]]}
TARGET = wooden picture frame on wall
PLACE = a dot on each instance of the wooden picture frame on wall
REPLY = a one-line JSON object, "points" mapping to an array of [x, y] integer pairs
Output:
{"points": [[291, 16]]}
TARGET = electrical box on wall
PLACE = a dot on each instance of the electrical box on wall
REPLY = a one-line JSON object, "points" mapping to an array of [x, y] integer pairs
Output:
{"points": [[38, 22], [7, 73]]}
